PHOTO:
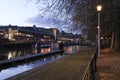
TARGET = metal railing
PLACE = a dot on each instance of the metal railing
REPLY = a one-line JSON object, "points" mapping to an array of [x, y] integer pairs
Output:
{"points": [[91, 68]]}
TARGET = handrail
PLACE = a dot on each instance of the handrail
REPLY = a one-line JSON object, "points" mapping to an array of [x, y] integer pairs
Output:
{"points": [[91, 68]]}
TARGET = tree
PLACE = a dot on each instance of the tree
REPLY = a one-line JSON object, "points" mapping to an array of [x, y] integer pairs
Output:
{"points": [[79, 13]]}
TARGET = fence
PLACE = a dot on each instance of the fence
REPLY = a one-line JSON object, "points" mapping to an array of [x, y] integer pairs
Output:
{"points": [[91, 68]]}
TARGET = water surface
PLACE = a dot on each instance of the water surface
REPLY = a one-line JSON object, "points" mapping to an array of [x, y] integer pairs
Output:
{"points": [[10, 54]]}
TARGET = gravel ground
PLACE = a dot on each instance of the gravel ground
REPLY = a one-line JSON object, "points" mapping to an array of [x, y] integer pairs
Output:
{"points": [[108, 65]]}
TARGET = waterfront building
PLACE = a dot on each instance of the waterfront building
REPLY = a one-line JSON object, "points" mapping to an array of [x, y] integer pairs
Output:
{"points": [[20, 34], [25, 34]]}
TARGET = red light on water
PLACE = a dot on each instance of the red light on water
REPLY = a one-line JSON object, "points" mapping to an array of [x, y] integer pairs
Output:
{"points": [[44, 50]]}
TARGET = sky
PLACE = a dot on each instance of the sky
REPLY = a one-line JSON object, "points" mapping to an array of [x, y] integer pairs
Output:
{"points": [[23, 13]]}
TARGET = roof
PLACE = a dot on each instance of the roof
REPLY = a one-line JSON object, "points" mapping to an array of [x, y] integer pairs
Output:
{"points": [[33, 30]]}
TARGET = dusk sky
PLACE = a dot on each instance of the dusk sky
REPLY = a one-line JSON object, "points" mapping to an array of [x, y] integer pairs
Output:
{"points": [[22, 13]]}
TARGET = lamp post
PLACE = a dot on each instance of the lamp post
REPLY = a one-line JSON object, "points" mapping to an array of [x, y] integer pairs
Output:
{"points": [[99, 8]]}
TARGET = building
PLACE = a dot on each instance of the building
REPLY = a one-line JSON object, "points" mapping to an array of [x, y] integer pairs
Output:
{"points": [[25, 34], [20, 34]]}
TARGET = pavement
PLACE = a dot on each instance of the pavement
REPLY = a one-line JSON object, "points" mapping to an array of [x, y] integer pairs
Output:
{"points": [[108, 65]]}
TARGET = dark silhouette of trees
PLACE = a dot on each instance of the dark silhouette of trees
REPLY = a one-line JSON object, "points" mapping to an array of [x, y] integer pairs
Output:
{"points": [[79, 13]]}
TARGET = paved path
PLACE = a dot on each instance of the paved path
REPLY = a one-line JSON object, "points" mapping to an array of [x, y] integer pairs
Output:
{"points": [[108, 65]]}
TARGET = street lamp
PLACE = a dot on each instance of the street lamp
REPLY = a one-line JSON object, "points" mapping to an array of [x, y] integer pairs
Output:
{"points": [[99, 8]]}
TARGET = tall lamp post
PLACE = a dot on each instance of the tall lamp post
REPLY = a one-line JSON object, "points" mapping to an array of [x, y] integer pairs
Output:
{"points": [[99, 8]]}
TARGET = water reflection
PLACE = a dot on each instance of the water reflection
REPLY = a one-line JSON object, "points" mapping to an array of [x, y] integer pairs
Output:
{"points": [[11, 54], [44, 50], [71, 49], [6, 73]]}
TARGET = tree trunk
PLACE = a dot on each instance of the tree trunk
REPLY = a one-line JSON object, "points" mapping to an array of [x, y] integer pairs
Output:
{"points": [[116, 46], [112, 41]]}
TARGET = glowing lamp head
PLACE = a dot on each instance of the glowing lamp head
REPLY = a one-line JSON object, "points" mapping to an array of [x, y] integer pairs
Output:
{"points": [[99, 8]]}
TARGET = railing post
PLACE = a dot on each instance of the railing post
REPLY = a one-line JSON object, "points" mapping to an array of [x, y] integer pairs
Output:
{"points": [[95, 63], [92, 70]]}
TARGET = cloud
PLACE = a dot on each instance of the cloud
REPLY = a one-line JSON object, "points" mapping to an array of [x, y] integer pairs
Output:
{"points": [[46, 21]]}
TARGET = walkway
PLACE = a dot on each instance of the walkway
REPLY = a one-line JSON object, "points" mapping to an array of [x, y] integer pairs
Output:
{"points": [[71, 67], [108, 65]]}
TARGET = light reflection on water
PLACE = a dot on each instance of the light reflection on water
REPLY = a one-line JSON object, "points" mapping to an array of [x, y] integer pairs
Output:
{"points": [[11, 54], [5, 73], [71, 49]]}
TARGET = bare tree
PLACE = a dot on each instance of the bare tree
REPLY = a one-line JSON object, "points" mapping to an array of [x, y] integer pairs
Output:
{"points": [[79, 13]]}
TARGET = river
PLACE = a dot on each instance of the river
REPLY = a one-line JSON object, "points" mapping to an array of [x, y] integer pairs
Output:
{"points": [[13, 53]]}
